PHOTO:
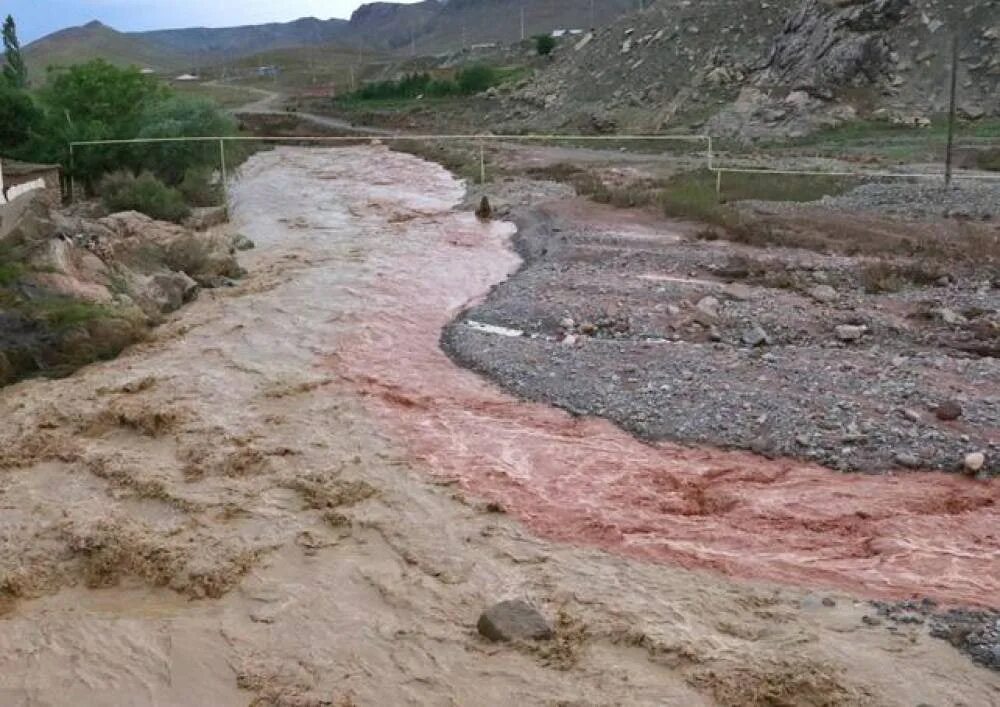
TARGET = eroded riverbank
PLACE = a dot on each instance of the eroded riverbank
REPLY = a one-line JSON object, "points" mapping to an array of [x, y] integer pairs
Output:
{"points": [[299, 457]]}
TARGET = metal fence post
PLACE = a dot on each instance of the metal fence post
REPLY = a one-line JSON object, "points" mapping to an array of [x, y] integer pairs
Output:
{"points": [[72, 169], [222, 164], [482, 164]]}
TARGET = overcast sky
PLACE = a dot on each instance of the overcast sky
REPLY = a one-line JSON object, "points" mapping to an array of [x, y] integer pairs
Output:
{"points": [[36, 18]]}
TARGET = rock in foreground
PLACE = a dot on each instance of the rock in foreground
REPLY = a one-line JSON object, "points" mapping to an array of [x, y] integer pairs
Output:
{"points": [[513, 620]]}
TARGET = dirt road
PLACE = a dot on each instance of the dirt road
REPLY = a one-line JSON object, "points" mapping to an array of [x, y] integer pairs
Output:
{"points": [[291, 495]]}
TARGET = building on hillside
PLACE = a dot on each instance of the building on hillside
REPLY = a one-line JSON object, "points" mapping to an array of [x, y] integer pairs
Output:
{"points": [[17, 178], [186, 77]]}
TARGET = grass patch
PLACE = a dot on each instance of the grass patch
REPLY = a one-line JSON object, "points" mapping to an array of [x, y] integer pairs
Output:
{"points": [[989, 160], [63, 313], [881, 140], [640, 192], [10, 273], [882, 277]]}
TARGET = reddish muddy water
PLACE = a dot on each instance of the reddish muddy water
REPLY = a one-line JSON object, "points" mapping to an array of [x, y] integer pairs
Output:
{"points": [[585, 481]]}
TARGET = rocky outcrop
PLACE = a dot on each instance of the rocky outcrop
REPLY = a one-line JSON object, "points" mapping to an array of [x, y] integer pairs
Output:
{"points": [[748, 69], [75, 288], [826, 45]]}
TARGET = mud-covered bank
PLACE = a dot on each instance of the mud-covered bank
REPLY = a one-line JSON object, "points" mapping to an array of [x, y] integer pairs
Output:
{"points": [[779, 351]]}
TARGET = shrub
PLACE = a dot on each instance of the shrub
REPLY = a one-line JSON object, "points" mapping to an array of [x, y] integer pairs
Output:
{"points": [[880, 277], [123, 191], [544, 44], [181, 116], [198, 188], [476, 78]]}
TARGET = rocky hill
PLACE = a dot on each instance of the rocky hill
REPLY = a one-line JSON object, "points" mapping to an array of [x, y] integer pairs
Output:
{"points": [[768, 67], [203, 44], [423, 27]]}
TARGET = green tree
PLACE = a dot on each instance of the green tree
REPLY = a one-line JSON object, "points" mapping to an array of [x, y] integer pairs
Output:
{"points": [[544, 44], [95, 101], [181, 116], [14, 70], [20, 118]]}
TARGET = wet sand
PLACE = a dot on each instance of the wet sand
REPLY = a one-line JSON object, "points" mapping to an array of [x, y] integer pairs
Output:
{"points": [[283, 498]]}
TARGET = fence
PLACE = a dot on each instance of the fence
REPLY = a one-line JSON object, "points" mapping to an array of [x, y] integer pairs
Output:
{"points": [[706, 141]]}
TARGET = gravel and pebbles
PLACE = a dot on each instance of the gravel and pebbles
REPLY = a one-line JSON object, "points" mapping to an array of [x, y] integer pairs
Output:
{"points": [[779, 351], [918, 199]]}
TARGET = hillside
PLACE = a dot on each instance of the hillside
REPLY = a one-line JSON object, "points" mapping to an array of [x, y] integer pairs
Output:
{"points": [[424, 27], [464, 22], [747, 72], [207, 45], [95, 40]]}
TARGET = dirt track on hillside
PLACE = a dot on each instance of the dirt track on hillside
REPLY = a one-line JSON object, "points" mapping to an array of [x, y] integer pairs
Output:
{"points": [[292, 494]]}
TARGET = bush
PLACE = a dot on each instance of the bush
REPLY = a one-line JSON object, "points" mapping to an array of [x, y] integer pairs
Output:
{"points": [[544, 44], [123, 191], [181, 116], [198, 188], [476, 78]]}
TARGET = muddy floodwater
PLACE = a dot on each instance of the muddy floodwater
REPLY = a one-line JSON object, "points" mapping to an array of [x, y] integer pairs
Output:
{"points": [[291, 495]]}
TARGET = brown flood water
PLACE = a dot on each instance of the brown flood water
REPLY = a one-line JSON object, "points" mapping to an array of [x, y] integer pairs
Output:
{"points": [[584, 481], [260, 503]]}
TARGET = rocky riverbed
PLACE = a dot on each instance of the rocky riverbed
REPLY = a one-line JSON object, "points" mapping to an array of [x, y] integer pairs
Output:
{"points": [[780, 351]]}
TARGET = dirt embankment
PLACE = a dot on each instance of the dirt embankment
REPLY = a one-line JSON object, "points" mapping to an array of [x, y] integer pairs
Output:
{"points": [[298, 456]]}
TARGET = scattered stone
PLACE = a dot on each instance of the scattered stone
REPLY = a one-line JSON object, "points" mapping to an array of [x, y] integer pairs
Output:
{"points": [[911, 415], [737, 291], [241, 242], [567, 323], [513, 620], [949, 316], [850, 332], [829, 601], [974, 462], [948, 410], [203, 218], [906, 460], [822, 293], [708, 306], [755, 336]]}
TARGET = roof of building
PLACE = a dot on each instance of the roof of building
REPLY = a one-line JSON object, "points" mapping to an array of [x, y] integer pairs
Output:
{"points": [[14, 168]]}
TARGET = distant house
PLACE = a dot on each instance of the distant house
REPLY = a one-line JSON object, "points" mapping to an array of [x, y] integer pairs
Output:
{"points": [[147, 71], [557, 33], [186, 77], [267, 71]]}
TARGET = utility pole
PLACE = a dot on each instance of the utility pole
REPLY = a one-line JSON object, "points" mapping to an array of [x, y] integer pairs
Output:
{"points": [[522, 23], [951, 109], [593, 23]]}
